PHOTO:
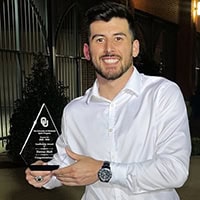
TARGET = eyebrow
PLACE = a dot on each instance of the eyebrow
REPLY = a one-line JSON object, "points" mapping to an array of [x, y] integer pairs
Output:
{"points": [[115, 34], [97, 35]]}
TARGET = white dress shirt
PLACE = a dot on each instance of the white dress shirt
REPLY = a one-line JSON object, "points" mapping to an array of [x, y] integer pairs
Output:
{"points": [[143, 132]]}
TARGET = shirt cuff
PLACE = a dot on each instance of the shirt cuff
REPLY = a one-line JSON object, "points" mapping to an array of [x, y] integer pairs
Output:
{"points": [[53, 182], [119, 174]]}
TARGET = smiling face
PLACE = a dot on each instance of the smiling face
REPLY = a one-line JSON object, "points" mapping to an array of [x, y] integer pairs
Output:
{"points": [[111, 47]]}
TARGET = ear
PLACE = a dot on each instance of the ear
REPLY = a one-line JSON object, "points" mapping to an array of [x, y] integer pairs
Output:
{"points": [[86, 51], [136, 48]]}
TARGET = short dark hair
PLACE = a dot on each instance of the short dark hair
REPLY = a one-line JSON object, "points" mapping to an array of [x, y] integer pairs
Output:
{"points": [[105, 12]]}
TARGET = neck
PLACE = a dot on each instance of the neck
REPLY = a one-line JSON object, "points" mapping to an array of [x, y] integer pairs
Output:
{"points": [[110, 88]]}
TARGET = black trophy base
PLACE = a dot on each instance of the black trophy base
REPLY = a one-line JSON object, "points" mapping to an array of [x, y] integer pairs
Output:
{"points": [[43, 167]]}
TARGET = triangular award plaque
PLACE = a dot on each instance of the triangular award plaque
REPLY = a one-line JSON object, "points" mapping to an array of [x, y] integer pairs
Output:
{"points": [[40, 143]]}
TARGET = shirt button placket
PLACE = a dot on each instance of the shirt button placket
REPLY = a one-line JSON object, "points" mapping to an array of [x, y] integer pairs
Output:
{"points": [[111, 130]]}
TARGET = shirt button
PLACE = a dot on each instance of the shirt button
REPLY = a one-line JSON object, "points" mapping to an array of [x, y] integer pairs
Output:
{"points": [[112, 105]]}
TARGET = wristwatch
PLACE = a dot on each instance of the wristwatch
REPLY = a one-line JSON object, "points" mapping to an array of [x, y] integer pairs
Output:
{"points": [[105, 173]]}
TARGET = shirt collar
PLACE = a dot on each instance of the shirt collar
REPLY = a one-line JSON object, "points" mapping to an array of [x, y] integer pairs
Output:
{"points": [[134, 83], [133, 86]]}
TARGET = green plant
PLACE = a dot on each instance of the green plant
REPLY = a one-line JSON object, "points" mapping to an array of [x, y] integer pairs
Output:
{"points": [[40, 87]]}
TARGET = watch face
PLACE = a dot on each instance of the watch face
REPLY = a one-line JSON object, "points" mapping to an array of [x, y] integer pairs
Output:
{"points": [[104, 174]]}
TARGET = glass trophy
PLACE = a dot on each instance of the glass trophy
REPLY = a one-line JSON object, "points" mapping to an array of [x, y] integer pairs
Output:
{"points": [[40, 143]]}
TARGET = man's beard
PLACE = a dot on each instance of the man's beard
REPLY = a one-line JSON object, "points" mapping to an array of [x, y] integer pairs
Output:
{"points": [[113, 76]]}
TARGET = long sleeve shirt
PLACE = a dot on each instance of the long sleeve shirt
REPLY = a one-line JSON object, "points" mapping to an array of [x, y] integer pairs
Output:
{"points": [[143, 132]]}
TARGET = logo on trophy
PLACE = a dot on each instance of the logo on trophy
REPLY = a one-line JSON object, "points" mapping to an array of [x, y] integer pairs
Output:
{"points": [[40, 142]]}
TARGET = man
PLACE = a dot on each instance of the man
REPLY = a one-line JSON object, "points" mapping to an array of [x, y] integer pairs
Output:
{"points": [[128, 136]]}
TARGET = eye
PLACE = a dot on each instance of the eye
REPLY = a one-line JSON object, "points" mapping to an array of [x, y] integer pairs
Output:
{"points": [[100, 39], [118, 38]]}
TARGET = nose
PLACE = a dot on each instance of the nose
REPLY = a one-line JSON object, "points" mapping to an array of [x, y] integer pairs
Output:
{"points": [[109, 46]]}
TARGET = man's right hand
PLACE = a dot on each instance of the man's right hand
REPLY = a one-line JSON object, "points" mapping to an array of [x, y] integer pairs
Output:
{"points": [[38, 178]]}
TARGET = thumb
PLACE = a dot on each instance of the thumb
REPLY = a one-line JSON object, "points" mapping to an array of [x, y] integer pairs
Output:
{"points": [[73, 155]]}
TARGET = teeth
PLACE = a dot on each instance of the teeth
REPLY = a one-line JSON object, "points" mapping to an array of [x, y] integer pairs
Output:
{"points": [[110, 61]]}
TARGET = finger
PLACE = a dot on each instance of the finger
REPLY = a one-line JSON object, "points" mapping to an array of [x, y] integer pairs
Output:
{"points": [[63, 171], [73, 155], [31, 174], [38, 162], [34, 181], [39, 184], [70, 181]]}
